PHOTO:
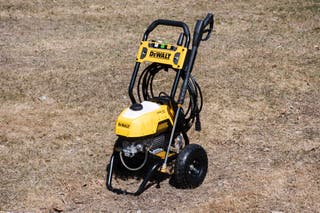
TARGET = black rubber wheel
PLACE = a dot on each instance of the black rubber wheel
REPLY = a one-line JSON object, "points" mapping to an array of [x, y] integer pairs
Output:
{"points": [[191, 167]]}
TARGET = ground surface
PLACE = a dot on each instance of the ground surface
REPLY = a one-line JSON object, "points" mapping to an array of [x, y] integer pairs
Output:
{"points": [[64, 70]]}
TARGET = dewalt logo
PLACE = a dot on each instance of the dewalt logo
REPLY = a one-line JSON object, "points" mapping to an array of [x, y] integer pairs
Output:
{"points": [[159, 54], [124, 125]]}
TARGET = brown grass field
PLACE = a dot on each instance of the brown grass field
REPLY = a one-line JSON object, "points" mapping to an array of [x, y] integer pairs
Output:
{"points": [[64, 71]]}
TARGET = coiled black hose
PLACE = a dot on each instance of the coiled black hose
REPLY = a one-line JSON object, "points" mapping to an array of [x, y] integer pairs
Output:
{"points": [[192, 112]]}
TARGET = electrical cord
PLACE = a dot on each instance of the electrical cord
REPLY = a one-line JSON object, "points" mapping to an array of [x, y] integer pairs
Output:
{"points": [[192, 111]]}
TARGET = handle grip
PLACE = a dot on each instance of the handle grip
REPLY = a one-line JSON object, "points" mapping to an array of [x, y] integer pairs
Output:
{"points": [[208, 21], [201, 28]]}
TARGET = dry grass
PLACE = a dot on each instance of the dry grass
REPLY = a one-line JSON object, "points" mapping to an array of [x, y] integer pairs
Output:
{"points": [[65, 67]]}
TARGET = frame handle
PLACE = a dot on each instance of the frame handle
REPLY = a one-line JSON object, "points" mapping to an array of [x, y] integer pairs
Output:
{"points": [[171, 23]]}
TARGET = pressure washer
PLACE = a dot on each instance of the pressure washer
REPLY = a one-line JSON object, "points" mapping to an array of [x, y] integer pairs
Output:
{"points": [[152, 133]]}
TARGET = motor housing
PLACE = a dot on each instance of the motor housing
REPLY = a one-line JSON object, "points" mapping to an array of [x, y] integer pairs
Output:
{"points": [[152, 118]]}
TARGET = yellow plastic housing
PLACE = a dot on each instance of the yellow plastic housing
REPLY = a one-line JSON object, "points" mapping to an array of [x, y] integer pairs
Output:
{"points": [[148, 121], [169, 54]]}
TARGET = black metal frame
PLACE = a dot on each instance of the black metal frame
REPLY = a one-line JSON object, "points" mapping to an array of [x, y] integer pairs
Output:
{"points": [[142, 186]]}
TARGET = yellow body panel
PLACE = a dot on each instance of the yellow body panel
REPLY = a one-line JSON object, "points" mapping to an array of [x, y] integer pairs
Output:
{"points": [[138, 124], [164, 54], [162, 154]]}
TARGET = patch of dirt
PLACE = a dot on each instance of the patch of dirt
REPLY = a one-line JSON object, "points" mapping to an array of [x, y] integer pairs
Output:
{"points": [[64, 71]]}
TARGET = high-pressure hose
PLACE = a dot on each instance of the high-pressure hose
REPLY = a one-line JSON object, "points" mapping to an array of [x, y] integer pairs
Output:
{"points": [[192, 111]]}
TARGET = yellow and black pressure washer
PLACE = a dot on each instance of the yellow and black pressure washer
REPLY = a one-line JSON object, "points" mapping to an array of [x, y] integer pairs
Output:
{"points": [[152, 132]]}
